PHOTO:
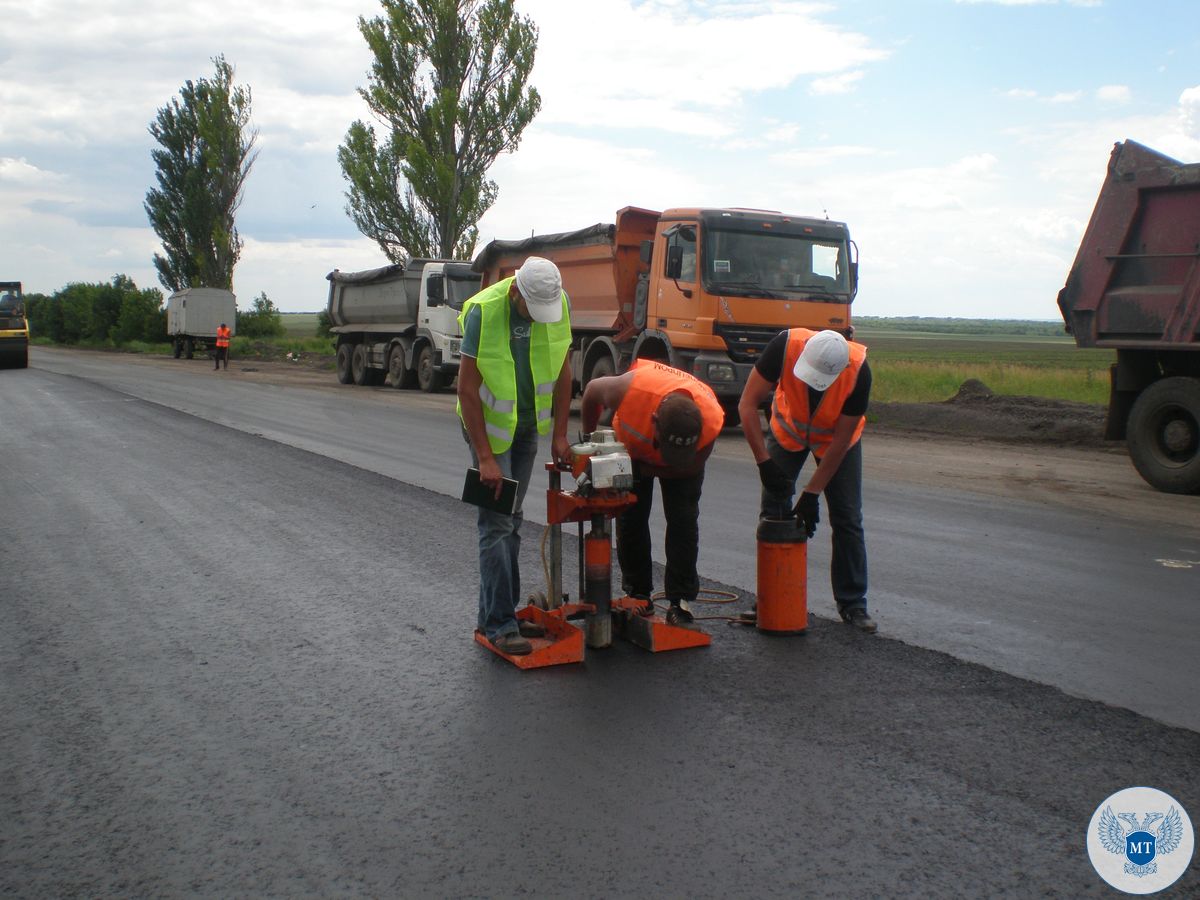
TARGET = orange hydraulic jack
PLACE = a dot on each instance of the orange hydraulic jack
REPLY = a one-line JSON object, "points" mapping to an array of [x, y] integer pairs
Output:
{"points": [[603, 474]]}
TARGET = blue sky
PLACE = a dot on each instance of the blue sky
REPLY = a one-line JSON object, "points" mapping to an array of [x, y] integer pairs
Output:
{"points": [[963, 142]]}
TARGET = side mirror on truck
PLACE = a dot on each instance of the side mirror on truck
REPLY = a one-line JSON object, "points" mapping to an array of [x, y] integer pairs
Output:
{"points": [[674, 262]]}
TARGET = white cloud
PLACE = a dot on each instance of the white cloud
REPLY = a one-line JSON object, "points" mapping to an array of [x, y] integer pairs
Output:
{"points": [[836, 84], [1114, 93], [20, 172]]}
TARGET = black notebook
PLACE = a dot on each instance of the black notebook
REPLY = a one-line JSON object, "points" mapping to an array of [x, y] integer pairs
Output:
{"points": [[476, 492]]}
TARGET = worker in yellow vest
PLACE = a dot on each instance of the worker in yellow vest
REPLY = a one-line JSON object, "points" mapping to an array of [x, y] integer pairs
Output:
{"points": [[514, 384], [223, 335], [822, 386], [669, 421]]}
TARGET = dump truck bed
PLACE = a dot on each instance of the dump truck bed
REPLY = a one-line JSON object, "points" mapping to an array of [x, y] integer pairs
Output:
{"points": [[1135, 282], [599, 266]]}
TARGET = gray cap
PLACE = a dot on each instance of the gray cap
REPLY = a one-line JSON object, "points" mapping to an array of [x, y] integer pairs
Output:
{"points": [[540, 284], [822, 360]]}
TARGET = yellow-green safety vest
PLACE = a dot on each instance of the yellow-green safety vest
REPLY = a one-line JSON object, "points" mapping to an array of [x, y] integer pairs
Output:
{"points": [[548, 345]]}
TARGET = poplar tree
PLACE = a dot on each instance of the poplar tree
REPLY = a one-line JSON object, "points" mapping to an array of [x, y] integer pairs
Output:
{"points": [[206, 151], [448, 85]]}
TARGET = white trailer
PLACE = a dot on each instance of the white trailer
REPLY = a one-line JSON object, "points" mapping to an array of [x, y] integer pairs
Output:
{"points": [[400, 322], [193, 315]]}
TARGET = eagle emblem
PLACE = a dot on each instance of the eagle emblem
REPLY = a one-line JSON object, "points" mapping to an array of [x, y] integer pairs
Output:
{"points": [[1140, 842]]}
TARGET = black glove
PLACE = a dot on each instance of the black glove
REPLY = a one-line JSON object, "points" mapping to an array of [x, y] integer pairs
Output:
{"points": [[808, 512], [774, 481]]}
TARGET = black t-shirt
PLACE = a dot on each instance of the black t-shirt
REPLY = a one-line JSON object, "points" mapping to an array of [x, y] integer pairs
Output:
{"points": [[770, 367]]}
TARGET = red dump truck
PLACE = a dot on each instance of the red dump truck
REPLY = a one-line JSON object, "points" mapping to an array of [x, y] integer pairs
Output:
{"points": [[701, 289], [1135, 287]]}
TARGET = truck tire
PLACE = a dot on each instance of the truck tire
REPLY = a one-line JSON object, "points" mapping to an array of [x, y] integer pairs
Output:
{"points": [[358, 366], [402, 375], [188, 349], [345, 373], [602, 368], [1163, 435], [429, 379], [177, 348]]}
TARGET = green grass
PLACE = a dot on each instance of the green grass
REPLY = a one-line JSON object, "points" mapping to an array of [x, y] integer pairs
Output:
{"points": [[913, 366], [299, 325]]}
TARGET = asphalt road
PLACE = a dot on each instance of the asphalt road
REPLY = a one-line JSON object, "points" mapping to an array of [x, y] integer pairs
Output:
{"points": [[237, 666]]}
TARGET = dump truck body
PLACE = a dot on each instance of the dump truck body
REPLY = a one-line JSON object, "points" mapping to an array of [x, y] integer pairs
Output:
{"points": [[400, 321], [14, 327], [193, 316], [1135, 287], [702, 289]]}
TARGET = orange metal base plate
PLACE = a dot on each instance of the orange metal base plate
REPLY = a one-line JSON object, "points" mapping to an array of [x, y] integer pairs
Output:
{"points": [[563, 643], [652, 632]]}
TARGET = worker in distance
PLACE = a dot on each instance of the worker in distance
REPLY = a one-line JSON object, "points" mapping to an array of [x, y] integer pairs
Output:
{"points": [[669, 421], [514, 384], [822, 386]]}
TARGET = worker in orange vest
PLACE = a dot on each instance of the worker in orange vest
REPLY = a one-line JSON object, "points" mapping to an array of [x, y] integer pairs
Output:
{"points": [[822, 385], [223, 335], [669, 421]]}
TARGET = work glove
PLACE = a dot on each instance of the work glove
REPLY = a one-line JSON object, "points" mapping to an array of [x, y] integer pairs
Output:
{"points": [[774, 481], [808, 513]]}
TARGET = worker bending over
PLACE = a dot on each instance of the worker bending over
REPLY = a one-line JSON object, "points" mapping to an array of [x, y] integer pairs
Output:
{"points": [[513, 381], [668, 420], [822, 387]]}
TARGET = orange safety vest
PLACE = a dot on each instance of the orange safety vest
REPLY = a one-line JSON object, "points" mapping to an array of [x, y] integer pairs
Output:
{"points": [[223, 336], [652, 381], [794, 425]]}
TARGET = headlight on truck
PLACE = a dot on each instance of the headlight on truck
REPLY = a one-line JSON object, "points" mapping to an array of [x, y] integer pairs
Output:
{"points": [[721, 373], [454, 345]]}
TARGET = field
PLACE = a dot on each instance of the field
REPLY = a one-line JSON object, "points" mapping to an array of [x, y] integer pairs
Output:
{"points": [[913, 366], [927, 360]]}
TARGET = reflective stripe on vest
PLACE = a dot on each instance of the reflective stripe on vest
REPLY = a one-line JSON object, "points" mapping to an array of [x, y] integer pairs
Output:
{"points": [[548, 345], [223, 337], [794, 425], [652, 381]]}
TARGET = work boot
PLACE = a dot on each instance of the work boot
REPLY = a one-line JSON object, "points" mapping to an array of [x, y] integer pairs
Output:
{"points": [[749, 616], [857, 616], [648, 608], [680, 617], [512, 643], [529, 629]]}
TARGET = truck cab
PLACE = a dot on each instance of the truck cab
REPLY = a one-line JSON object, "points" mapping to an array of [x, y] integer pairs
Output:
{"points": [[14, 327]]}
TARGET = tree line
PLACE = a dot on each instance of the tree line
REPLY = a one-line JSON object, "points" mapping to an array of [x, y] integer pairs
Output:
{"points": [[119, 313]]}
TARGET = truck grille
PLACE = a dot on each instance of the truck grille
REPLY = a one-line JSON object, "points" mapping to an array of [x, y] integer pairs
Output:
{"points": [[745, 342]]}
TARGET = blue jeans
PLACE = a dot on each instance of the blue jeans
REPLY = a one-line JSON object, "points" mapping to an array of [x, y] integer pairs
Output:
{"points": [[500, 541], [843, 505]]}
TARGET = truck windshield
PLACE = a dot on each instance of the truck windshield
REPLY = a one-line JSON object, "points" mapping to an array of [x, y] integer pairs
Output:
{"points": [[756, 262], [460, 288]]}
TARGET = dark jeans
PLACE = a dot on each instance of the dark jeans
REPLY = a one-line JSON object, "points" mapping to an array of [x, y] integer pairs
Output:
{"points": [[221, 354], [681, 507], [500, 541], [843, 512]]}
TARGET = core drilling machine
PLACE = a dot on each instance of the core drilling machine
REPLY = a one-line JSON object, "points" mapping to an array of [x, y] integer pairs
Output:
{"points": [[603, 474]]}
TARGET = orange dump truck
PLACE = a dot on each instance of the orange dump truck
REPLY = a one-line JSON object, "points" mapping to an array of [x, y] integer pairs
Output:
{"points": [[1135, 288], [701, 289]]}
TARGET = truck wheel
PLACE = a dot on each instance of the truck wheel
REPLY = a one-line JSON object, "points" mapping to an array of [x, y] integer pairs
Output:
{"points": [[429, 379], [358, 366], [177, 348], [1164, 435], [602, 368], [402, 376], [345, 373], [188, 350]]}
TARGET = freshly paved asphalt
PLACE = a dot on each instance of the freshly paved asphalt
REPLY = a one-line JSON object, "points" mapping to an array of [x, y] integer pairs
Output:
{"points": [[235, 667]]}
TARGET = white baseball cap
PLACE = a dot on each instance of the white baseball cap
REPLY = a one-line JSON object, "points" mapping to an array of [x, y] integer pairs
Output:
{"points": [[822, 360], [540, 284]]}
